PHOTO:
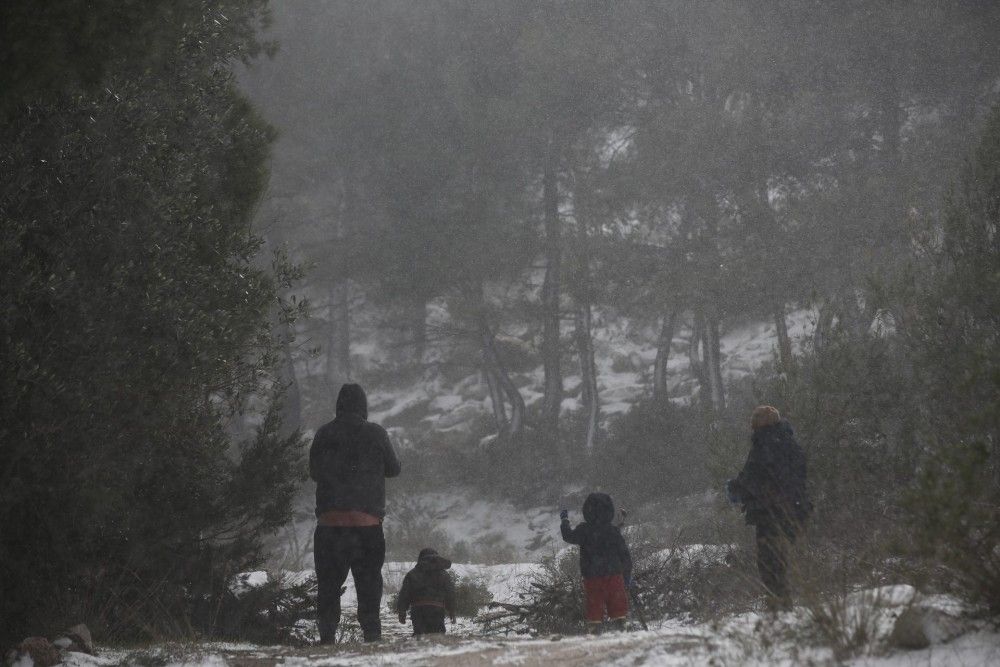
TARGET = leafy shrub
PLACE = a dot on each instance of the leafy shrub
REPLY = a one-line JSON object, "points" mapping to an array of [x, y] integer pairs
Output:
{"points": [[955, 509], [517, 355], [138, 319], [646, 449], [695, 580], [550, 601], [413, 525], [270, 613], [854, 411], [622, 363], [471, 595]]}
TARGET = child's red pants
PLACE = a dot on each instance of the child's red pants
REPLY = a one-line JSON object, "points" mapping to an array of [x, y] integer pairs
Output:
{"points": [[605, 593]]}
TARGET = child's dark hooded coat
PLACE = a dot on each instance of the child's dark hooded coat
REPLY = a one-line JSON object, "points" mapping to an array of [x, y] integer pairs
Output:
{"points": [[603, 551], [428, 584]]}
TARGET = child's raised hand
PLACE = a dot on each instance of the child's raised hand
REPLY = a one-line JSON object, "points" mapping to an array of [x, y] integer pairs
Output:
{"points": [[564, 515]]}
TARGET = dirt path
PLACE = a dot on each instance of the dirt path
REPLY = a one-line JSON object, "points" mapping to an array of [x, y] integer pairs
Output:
{"points": [[668, 647]]}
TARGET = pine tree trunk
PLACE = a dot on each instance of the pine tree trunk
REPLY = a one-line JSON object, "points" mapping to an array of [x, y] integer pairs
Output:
{"points": [[588, 372], [714, 363], [502, 388], [784, 342], [824, 322], [496, 392], [551, 291], [583, 327], [338, 355], [663, 344], [694, 354], [852, 318]]}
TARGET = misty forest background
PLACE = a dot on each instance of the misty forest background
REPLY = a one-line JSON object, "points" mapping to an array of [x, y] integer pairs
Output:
{"points": [[214, 213]]}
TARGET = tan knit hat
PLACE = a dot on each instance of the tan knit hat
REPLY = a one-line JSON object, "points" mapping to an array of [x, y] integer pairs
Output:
{"points": [[764, 415]]}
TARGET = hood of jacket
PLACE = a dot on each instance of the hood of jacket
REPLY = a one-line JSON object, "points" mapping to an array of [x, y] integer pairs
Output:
{"points": [[429, 559], [774, 432], [598, 508], [352, 401]]}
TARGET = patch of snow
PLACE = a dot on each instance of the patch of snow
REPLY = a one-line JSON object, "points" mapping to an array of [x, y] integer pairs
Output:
{"points": [[247, 581]]}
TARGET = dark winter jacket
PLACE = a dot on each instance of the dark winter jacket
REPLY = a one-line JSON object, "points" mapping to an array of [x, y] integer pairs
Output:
{"points": [[772, 484], [350, 458], [603, 551], [428, 583]]}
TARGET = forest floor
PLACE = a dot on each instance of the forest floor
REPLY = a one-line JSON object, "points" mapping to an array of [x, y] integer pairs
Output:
{"points": [[750, 638], [671, 644]]}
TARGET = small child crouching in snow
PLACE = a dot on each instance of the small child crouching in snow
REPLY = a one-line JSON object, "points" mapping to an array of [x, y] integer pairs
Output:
{"points": [[427, 593], [605, 561]]}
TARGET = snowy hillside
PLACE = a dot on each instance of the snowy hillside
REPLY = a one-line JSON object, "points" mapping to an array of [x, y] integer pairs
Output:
{"points": [[440, 405], [435, 406]]}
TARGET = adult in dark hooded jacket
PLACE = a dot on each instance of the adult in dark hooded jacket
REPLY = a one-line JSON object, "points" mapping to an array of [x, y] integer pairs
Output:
{"points": [[349, 459], [772, 490], [428, 593], [605, 561]]}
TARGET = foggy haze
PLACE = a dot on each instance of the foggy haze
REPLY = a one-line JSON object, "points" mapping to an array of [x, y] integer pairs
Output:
{"points": [[563, 249]]}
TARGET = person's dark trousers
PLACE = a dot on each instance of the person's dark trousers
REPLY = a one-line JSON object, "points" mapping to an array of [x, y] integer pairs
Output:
{"points": [[427, 619], [360, 551], [772, 561]]}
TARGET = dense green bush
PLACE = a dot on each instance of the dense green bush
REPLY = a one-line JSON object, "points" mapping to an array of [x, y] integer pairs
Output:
{"points": [[137, 320], [654, 450], [955, 510], [414, 525], [471, 595], [954, 330], [854, 410], [271, 613]]}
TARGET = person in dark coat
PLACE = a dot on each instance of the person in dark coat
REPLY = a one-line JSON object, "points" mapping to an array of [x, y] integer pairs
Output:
{"points": [[428, 593], [605, 561], [772, 490], [350, 459]]}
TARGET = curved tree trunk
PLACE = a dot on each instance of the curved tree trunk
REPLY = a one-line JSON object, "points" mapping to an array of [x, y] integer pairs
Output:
{"points": [[713, 361], [695, 362], [785, 358], [502, 388], [663, 344], [496, 395], [824, 323]]}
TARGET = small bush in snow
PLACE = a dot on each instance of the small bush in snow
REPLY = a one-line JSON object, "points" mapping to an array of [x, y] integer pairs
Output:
{"points": [[270, 611], [955, 507], [696, 580], [471, 595]]}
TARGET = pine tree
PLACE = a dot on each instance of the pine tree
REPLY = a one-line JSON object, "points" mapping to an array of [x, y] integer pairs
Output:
{"points": [[137, 320]]}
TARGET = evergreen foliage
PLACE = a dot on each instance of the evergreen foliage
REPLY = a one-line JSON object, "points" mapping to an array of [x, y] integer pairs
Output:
{"points": [[953, 330], [137, 320]]}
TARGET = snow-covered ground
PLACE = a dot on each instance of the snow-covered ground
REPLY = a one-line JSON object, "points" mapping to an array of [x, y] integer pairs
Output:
{"points": [[789, 638]]}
